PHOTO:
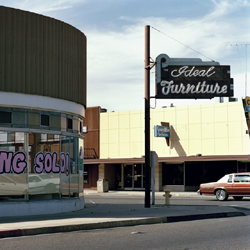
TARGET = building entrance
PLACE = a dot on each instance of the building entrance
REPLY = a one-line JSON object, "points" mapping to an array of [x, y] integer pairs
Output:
{"points": [[133, 176]]}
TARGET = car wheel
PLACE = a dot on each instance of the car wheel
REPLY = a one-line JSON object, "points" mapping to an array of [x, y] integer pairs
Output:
{"points": [[238, 198], [221, 195]]}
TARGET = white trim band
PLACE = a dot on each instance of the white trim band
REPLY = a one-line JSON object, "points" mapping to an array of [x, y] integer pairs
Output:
{"points": [[18, 100]]}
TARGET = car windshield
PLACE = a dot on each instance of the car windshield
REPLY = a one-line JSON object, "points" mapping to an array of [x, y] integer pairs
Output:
{"points": [[224, 179]]}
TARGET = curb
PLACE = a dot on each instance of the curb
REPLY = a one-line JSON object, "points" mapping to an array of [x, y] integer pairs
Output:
{"points": [[110, 224]]}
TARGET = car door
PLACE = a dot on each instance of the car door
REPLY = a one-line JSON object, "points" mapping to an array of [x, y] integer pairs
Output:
{"points": [[229, 184], [241, 185]]}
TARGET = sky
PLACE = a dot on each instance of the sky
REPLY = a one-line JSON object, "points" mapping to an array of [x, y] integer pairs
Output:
{"points": [[216, 30]]}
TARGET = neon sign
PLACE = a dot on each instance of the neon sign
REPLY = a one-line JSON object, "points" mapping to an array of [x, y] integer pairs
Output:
{"points": [[191, 78]]}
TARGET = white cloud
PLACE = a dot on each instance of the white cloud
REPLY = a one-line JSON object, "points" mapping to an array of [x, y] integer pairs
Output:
{"points": [[116, 58], [42, 6]]}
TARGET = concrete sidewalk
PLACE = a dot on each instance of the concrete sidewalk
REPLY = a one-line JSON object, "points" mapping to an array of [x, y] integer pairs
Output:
{"points": [[96, 216]]}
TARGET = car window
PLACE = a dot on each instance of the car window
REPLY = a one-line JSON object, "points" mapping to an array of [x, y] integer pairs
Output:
{"points": [[33, 179], [242, 178], [230, 179], [224, 179], [5, 179]]}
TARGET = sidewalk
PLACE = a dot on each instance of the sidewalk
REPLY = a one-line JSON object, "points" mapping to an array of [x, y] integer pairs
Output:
{"points": [[96, 216]]}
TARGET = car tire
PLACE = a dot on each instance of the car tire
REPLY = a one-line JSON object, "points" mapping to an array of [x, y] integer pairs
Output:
{"points": [[238, 198], [221, 195]]}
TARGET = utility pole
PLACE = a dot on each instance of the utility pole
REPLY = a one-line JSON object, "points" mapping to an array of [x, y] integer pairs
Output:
{"points": [[147, 117], [246, 71]]}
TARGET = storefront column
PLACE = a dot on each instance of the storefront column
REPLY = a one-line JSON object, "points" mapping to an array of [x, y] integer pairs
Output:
{"points": [[158, 177], [184, 174], [101, 171]]}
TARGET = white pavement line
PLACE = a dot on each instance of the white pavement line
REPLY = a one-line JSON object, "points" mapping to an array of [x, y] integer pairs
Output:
{"points": [[92, 201]]}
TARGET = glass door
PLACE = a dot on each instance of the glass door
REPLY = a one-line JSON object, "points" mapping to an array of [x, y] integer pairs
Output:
{"points": [[133, 176], [138, 176], [65, 166], [128, 176]]}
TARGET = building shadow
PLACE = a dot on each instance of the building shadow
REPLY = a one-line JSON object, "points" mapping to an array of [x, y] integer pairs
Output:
{"points": [[175, 142]]}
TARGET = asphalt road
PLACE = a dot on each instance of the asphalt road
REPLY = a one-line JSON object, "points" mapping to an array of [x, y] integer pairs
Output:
{"points": [[227, 233], [109, 198]]}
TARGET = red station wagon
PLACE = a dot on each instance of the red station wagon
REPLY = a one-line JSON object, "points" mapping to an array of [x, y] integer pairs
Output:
{"points": [[236, 185]]}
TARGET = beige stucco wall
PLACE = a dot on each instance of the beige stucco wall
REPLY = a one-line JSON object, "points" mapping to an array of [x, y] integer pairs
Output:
{"points": [[214, 129]]}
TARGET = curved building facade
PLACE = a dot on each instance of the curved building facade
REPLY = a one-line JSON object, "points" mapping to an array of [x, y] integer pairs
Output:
{"points": [[41, 56], [42, 107]]}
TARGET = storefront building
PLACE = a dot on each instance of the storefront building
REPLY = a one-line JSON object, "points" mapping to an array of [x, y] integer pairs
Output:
{"points": [[206, 142], [42, 107]]}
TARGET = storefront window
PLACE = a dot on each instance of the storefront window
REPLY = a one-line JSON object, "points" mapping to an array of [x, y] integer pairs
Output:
{"points": [[81, 166], [13, 166], [65, 161], [5, 117], [74, 165], [85, 175], [40, 166], [44, 172], [243, 167], [70, 178], [172, 174]]}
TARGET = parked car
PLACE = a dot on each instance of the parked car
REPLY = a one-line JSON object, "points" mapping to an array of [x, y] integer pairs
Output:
{"points": [[12, 185], [43, 184], [236, 185]]}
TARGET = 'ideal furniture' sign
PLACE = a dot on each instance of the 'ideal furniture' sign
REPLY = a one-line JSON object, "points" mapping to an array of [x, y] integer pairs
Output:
{"points": [[191, 78]]}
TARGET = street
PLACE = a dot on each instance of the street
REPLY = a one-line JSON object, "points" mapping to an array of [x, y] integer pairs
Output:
{"points": [[176, 199], [223, 233], [226, 233]]}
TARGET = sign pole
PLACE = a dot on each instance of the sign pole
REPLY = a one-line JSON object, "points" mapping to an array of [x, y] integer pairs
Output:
{"points": [[147, 116]]}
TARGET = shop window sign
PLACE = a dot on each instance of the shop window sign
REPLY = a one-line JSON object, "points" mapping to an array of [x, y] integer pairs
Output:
{"points": [[12, 162], [16, 163]]}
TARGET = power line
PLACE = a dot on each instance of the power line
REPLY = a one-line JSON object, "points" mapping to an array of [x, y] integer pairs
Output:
{"points": [[238, 54], [182, 44], [246, 44]]}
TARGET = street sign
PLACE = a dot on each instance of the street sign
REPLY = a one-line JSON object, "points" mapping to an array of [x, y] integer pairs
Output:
{"points": [[161, 131], [247, 103], [247, 107]]}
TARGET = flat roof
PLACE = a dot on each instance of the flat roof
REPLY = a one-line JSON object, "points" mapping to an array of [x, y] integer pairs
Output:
{"points": [[179, 159]]}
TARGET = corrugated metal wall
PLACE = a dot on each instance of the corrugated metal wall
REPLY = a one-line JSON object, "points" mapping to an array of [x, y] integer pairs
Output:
{"points": [[42, 56]]}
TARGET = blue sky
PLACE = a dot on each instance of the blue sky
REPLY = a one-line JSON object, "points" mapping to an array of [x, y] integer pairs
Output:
{"points": [[115, 41]]}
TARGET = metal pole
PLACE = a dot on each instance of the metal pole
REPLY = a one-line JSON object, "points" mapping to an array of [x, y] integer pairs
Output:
{"points": [[152, 164], [147, 116], [246, 73]]}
